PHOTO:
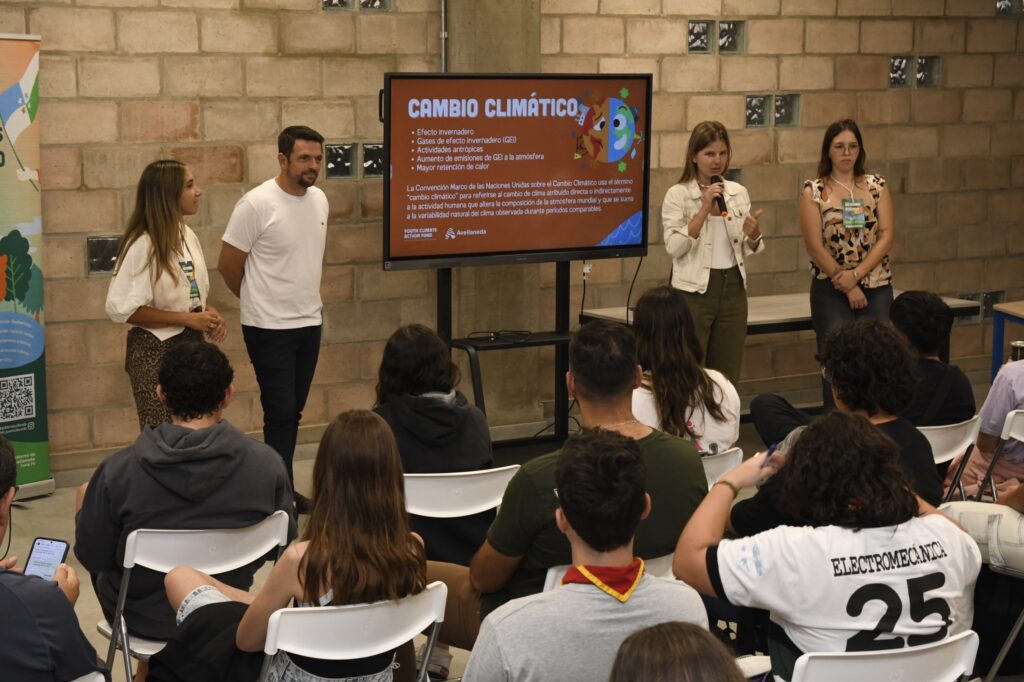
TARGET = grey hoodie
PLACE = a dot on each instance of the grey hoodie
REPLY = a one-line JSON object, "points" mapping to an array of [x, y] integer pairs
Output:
{"points": [[174, 477]]}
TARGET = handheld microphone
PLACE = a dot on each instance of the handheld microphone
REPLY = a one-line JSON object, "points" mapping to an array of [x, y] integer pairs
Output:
{"points": [[720, 201]]}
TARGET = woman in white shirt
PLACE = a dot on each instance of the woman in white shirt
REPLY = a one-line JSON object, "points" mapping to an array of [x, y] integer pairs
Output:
{"points": [[160, 282], [708, 244], [677, 395]]}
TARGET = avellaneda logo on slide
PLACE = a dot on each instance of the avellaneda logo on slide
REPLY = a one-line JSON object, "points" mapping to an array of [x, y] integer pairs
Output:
{"points": [[450, 234]]}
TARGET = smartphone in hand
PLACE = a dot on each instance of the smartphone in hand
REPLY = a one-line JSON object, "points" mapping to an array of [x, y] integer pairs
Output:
{"points": [[44, 558]]}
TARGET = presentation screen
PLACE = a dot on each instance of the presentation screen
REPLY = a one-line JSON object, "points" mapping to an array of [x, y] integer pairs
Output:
{"points": [[515, 168]]}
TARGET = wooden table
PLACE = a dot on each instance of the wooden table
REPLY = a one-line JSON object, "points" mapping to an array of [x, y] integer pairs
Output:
{"points": [[1001, 312]]}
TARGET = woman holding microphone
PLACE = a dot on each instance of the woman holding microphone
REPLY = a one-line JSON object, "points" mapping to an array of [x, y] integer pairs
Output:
{"points": [[160, 282], [709, 229], [846, 218]]}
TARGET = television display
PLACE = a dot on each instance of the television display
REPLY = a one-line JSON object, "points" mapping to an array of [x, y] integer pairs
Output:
{"points": [[514, 168]]}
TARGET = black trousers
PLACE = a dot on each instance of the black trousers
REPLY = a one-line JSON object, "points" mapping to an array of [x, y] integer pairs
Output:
{"points": [[774, 417], [284, 360]]}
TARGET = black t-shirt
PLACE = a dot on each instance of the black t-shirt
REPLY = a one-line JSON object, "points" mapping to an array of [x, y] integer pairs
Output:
{"points": [[956, 402], [41, 640], [761, 512]]}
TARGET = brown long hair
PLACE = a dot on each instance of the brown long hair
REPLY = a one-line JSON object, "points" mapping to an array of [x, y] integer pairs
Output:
{"points": [[703, 134], [157, 214], [668, 348], [674, 652], [359, 541]]}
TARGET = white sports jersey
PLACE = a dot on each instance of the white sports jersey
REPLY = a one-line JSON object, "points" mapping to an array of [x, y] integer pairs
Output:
{"points": [[835, 589]]}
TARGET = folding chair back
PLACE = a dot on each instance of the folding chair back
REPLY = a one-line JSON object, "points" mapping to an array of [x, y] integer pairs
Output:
{"points": [[943, 661], [715, 466], [952, 440], [1013, 429], [211, 551], [350, 632], [461, 493], [659, 567]]}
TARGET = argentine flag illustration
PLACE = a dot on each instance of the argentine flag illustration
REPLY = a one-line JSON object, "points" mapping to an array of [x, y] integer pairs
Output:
{"points": [[20, 102]]}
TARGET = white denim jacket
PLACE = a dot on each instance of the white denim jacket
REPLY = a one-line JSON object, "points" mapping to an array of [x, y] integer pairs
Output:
{"points": [[691, 258]]}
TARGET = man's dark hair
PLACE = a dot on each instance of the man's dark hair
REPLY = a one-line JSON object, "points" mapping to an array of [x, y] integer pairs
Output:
{"points": [[601, 481], [194, 377], [286, 140], [924, 319], [8, 466], [844, 471], [603, 360], [871, 366], [415, 361]]}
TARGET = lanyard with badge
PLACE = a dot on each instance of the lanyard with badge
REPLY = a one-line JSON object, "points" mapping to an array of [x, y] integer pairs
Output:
{"points": [[195, 302], [854, 217]]}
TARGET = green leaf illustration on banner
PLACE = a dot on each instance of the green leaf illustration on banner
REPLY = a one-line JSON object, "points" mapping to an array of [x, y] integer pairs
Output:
{"points": [[34, 295], [19, 266]]}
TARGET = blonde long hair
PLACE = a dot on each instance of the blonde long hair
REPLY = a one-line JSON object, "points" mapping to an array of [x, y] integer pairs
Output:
{"points": [[157, 214], [703, 134]]}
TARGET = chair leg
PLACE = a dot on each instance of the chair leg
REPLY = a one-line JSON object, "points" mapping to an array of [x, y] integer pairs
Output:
{"points": [[988, 474], [1006, 648], [126, 649], [115, 630], [421, 674], [955, 484]]}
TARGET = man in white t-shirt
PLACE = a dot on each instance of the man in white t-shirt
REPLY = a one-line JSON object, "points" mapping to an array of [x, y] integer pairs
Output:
{"points": [[272, 258]]}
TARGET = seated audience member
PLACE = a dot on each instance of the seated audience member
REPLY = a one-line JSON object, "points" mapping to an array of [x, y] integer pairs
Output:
{"points": [[871, 369], [944, 394], [1006, 395], [437, 431], [674, 652], [599, 477], [355, 549], [198, 471], [866, 565], [677, 395], [524, 542], [40, 640]]}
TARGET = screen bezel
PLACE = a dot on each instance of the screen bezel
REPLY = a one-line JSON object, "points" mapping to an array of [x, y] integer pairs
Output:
{"points": [[32, 551], [519, 256]]}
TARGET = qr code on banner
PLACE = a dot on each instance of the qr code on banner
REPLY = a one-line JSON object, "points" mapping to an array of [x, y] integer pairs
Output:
{"points": [[17, 397]]}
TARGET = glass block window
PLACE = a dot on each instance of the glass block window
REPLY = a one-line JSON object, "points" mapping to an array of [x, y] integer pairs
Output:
{"points": [[787, 110], [756, 115], [735, 175], [336, 4], [339, 160], [373, 160], [373, 4], [699, 38], [101, 254], [731, 36], [928, 72], [898, 68], [1006, 8]]}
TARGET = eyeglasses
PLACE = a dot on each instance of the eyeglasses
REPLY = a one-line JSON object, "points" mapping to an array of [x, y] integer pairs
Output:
{"points": [[852, 148], [825, 374]]}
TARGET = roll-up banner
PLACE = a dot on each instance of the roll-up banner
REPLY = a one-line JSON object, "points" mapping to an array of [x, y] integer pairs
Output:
{"points": [[22, 359]]}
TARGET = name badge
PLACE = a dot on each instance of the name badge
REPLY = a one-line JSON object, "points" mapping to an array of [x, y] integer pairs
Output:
{"points": [[853, 214]]}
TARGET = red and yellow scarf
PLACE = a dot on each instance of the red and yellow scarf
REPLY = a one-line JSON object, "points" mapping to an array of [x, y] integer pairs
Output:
{"points": [[616, 581]]}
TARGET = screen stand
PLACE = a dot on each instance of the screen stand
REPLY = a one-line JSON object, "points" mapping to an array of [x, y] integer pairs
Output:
{"points": [[559, 338]]}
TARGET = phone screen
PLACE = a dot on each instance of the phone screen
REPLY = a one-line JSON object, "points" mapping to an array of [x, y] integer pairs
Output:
{"points": [[45, 557]]}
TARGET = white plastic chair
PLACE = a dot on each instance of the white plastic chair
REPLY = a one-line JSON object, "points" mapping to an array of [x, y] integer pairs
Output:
{"points": [[943, 661], [715, 466], [660, 567], [949, 442], [1013, 429], [459, 493], [90, 677], [999, 532], [211, 551], [341, 633]]}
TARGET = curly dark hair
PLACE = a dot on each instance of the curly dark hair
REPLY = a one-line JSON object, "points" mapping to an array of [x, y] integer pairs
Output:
{"points": [[668, 348], [416, 360], [871, 366], [8, 466], [194, 376], [601, 479], [603, 360], [924, 318], [845, 471]]}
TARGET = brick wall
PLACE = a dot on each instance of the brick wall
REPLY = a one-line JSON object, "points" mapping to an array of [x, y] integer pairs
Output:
{"points": [[212, 81], [953, 154]]}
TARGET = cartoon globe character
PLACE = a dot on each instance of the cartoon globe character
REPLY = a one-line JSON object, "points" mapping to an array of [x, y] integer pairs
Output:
{"points": [[610, 129]]}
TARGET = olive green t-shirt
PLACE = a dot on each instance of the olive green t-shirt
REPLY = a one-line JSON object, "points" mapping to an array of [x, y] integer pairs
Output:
{"points": [[525, 525]]}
